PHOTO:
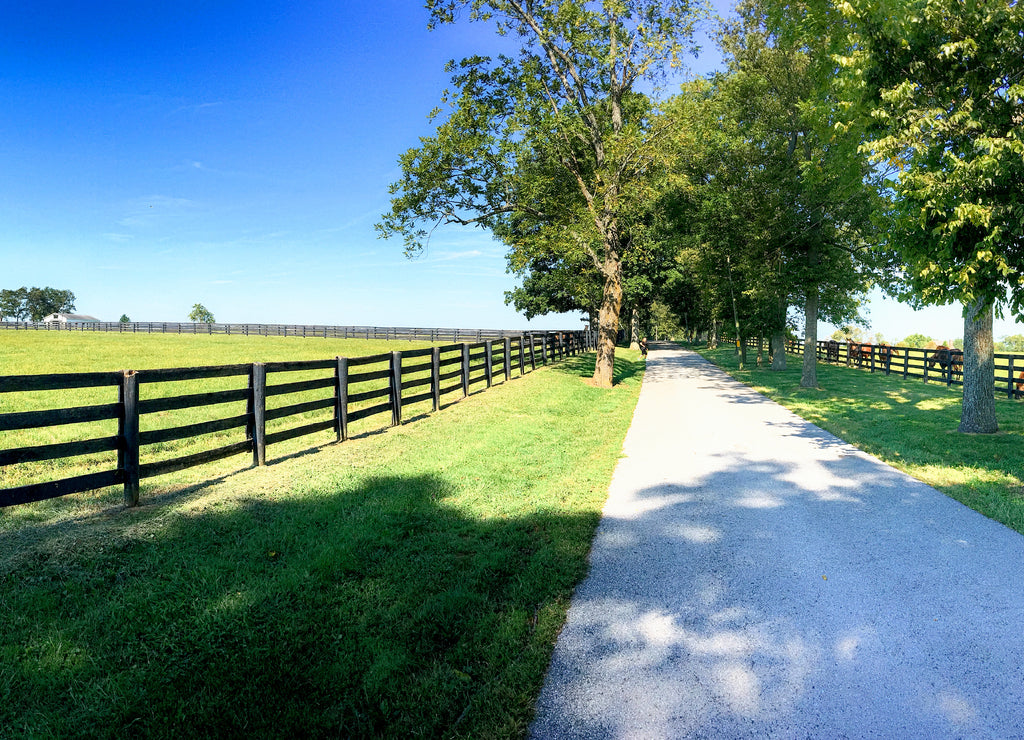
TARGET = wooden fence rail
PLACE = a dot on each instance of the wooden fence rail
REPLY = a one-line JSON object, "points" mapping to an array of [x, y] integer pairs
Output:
{"points": [[272, 330], [943, 365], [346, 389]]}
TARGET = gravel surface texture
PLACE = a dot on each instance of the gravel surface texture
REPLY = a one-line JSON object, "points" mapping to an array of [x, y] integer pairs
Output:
{"points": [[754, 576]]}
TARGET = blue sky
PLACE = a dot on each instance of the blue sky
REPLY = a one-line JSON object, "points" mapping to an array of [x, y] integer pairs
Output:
{"points": [[237, 154]]}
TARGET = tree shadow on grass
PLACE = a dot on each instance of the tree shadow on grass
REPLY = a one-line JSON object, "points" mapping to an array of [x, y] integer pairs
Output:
{"points": [[380, 610]]}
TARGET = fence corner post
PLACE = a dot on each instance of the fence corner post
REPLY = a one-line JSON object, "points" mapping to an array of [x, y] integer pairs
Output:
{"points": [[465, 369], [435, 377], [341, 398], [508, 359], [489, 361], [128, 452], [258, 409], [396, 388]]}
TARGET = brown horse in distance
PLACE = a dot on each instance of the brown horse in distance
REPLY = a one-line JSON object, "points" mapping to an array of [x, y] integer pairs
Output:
{"points": [[858, 352], [950, 359]]}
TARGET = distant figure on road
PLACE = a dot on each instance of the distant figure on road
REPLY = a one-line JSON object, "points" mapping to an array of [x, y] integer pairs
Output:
{"points": [[643, 346]]}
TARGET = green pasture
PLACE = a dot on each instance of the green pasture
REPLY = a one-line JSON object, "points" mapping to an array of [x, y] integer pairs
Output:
{"points": [[907, 423], [27, 353], [404, 584]]}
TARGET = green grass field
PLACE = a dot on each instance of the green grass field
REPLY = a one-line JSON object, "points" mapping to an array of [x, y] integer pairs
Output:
{"points": [[908, 424], [410, 583], [26, 353]]}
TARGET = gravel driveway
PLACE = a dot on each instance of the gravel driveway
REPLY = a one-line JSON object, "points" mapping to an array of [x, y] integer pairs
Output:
{"points": [[754, 576]]}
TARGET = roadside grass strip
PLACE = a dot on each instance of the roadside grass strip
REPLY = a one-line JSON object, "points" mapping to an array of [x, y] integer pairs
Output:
{"points": [[908, 424], [409, 583]]}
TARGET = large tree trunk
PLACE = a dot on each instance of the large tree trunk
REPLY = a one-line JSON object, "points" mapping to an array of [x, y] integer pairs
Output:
{"points": [[809, 379], [634, 329], [978, 415], [608, 320]]}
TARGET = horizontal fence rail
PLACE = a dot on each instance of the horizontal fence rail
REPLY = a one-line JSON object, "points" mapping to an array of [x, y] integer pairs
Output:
{"points": [[282, 401], [940, 364], [270, 330]]}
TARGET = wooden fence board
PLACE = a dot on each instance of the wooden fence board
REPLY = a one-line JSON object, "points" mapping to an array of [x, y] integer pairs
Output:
{"points": [[53, 489], [300, 408], [58, 450], [57, 382], [172, 403], [187, 431], [57, 417], [300, 385], [149, 470]]}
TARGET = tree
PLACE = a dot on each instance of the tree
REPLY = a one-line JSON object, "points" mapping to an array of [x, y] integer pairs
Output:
{"points": [[1013, 343], [200, 314], [12, 304], [916, 340], [124, 319], [35, 303], [943, 80], [551, 149], [777, 193]]}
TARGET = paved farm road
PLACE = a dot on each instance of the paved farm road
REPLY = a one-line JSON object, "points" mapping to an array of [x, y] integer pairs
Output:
{"points": [[753, 576]]}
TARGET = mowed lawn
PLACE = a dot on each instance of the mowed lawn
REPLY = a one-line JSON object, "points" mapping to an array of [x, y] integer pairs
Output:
{"points": [[29, 353], [909, 424], [404, 583]]}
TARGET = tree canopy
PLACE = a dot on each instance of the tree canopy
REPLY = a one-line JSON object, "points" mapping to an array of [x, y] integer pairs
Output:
{"points": [[552, 149], [200, 314], [35, 303], [942, 83]]}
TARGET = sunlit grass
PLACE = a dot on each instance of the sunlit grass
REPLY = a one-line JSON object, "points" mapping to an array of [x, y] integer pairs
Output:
{"points": [[29, 353], [910, 425], [410, 583]]}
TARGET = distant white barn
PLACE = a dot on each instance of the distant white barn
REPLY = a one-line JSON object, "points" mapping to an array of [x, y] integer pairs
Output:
{"points": [[70, 318]]}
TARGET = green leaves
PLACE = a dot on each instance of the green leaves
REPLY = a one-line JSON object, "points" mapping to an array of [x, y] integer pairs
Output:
{"points": [[944, 92]]}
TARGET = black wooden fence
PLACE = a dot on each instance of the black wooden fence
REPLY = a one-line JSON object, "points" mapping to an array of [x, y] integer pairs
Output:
{"points": [[942, 364], [353, 388], [270, 330]]}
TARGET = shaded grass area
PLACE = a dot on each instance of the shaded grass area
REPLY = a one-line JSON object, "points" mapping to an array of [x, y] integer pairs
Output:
{"points": [[909, 424], [410, 583]]}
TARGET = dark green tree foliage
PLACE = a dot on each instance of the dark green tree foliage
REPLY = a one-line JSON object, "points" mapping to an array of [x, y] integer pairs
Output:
{"points": [[13, 304], [35, 303], [786, 88], [200, 314], [943, 83], [551, 149]]}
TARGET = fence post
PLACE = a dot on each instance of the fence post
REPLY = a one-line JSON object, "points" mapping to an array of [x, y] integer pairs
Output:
{"points": [[128, 451], [396, 388], [465, 369], [508, 359], [544, 348], [341, 398], [258, 408], [533, 354], [435, 377], [1009, 377], [522, 356], [906, 362], [489, 361]]}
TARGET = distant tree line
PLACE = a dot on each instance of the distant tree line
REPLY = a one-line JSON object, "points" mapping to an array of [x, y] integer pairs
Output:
{"points": [[34, 303]]}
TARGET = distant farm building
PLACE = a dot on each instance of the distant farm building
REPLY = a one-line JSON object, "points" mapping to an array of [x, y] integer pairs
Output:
{"points": [[70, 318]]}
